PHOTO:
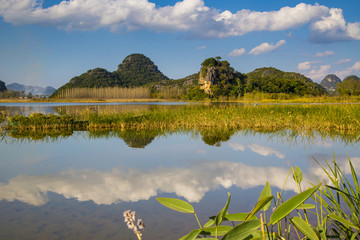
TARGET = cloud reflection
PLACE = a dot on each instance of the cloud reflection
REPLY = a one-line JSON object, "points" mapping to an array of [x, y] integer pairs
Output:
{"points": [[256, 148], [133, 185]]}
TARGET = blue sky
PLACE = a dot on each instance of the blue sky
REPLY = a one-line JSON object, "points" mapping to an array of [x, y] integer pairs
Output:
{"points": [[48, 42]]}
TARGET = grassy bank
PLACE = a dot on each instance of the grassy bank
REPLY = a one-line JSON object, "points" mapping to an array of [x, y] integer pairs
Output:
{"points": [[342, 118]]}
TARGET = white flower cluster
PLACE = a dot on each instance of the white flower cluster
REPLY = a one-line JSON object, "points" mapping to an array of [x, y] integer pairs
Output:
{"points": [[130, 218]]}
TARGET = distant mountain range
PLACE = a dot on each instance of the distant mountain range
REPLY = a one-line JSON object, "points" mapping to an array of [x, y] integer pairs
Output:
{"points": [[34, 90]]}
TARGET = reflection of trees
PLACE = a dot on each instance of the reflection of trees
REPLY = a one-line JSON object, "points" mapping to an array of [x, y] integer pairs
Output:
{"points": [[34, 136], [138, 139], [133, 138], [212, 137], [216, 136]]}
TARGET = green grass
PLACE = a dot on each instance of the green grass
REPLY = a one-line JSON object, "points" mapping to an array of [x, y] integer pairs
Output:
{"points": [[337, 118]]}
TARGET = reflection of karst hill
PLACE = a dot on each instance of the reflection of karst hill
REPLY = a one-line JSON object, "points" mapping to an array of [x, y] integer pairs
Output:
{"points": [[138, 139], [215, 137]]}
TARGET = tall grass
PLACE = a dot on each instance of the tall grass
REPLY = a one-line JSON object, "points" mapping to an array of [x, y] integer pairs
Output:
{"points": [[342, 119], [105, 93]]}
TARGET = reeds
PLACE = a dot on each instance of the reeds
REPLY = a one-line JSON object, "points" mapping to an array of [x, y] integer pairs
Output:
{"points": [[105, 93], [344, 119]]}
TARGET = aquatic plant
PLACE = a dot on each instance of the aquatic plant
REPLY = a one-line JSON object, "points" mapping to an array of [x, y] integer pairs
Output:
{"points": [[130, 219], [341, 199], [337, 216], [325, 119]]}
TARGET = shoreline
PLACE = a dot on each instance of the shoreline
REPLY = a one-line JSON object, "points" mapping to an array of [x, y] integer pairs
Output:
{"points": [[245, 101]]}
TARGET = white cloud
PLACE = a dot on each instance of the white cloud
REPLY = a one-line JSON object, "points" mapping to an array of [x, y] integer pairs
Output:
{"points": [[303, 66], [201, 48], [324, 54], [344, 61], [333, 27], [237, 52], [192, 16], [266, 47], [354, 69], [319, 73]]}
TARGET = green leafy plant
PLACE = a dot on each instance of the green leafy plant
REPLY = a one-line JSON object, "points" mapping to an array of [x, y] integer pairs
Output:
{"points": [[341, 199], [249, 226]]}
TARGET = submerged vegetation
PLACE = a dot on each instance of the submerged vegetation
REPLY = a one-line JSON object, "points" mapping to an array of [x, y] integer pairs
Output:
{"points": [[335, 214]]}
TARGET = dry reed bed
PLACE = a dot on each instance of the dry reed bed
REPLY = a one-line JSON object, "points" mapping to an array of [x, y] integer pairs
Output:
{"points": [[342, 118]]}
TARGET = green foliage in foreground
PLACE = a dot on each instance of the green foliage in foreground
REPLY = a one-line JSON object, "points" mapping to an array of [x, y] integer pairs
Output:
{"points": [[290, 218]]}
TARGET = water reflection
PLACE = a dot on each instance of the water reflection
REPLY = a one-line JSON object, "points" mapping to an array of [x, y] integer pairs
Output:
{"points": [[212, 137], [76, 108], [192, 182]]}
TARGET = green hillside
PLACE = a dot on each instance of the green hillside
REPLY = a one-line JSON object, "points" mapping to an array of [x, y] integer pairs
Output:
{"points": [[272, 80], [135, 70]]}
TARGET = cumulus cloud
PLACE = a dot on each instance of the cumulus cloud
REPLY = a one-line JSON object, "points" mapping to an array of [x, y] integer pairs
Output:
{"points": [[332, 27], [319, 73], [237, 52], [324, 54], [192, 16], [303, 66], [354, 69], [266, 47], [314, 72]]}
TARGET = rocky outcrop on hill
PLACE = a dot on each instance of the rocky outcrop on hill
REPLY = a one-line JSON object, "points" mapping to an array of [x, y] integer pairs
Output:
{"points": [[329, 82], [207, 78]]}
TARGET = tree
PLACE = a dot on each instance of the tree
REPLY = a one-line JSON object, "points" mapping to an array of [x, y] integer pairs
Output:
{"points": [[350, 86]]}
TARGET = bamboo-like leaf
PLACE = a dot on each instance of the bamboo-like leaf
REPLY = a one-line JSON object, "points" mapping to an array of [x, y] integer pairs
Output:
{"points": [[192, 235], [243, 230], [238, 217], [304, 228], [343, 221], [221, 230], [353, 237], [176, 204], [354, 175], [209, 223], [287, 207], [235, 217], [298, 177], [259, 205], [264, 193], [219, 218], [306, 206]]}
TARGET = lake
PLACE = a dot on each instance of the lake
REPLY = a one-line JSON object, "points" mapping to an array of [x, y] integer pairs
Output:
{"points": [[77, 185]]}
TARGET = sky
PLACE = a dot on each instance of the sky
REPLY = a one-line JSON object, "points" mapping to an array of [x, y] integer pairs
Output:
{"points": [[47, 42]]}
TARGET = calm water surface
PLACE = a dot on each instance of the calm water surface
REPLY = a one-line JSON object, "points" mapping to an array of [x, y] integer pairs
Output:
{"points": [[77, 186]]}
